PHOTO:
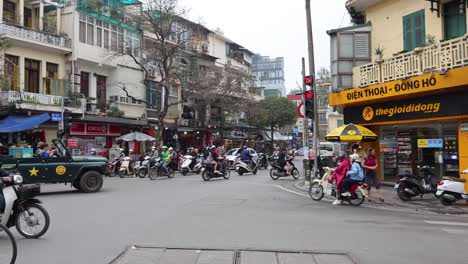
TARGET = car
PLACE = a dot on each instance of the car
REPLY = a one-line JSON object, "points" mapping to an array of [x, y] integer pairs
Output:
{"points": [[85, 173], [232, 154]]}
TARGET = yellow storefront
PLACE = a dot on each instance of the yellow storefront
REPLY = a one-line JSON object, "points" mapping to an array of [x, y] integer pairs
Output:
{"points": [[419, 120]]}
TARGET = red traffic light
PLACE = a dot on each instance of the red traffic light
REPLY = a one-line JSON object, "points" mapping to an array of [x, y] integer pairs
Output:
{"points": [[309, 95], [308, 80]]}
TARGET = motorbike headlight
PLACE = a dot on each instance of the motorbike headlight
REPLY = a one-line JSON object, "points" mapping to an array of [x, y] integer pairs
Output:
{"points": [[18, 179]]}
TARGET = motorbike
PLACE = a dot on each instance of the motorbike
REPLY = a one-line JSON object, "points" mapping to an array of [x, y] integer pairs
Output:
{"points": [[450, 190], [156, 170], [278, 171], [125, 168], [208, 171], [113, 167], [144, 167], [22, 210], [244, 167], [262, 161], [190, 164], [417, 185], [321, 187]]}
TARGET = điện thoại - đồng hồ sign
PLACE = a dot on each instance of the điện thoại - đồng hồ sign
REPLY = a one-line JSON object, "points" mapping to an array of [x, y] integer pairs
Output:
{"points": [[400, 88]]}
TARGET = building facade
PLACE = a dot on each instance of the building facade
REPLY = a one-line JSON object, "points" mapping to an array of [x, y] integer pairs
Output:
{"points": [[269, 73], [413, 92]]}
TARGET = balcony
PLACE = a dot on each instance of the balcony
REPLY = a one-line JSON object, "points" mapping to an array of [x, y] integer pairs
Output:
{"points": [[439, 58], [41, 102], [34, 38]]}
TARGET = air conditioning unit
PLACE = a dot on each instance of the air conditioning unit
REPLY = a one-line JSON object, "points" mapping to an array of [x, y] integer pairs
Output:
{"points": [[205, 47]]}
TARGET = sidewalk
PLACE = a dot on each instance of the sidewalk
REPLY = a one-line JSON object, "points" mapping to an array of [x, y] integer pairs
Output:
{"points": [[429, 203]]}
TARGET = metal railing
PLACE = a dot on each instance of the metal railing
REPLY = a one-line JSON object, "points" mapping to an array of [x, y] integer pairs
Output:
{"points": [[39, 36], [443, 56]]}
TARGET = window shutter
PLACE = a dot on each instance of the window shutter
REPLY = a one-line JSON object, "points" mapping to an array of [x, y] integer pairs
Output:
{"points": [[419, 29], [361, 45], [346, 45], [407, 33]]}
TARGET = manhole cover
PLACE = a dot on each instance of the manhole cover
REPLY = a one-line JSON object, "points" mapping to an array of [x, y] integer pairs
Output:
{"points": [[153, 255]]}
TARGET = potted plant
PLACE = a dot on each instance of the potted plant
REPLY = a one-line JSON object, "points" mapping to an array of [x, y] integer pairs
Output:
{"points": [[378, 53]]}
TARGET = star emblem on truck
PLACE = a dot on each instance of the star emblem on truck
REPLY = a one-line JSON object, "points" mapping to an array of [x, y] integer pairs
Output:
{"points": [[33, 171]]}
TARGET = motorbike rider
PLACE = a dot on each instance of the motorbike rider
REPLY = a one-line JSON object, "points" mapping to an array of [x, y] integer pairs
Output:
{"points": [[154, 152], [165, 155], [339, 174], [356, 175], [191, 152], [289, 159], [245, 156], [173, 159]]}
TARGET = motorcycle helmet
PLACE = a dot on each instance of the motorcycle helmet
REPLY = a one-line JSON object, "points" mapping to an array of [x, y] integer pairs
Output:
{"points": [[244, 147], [355, 157], [171, 149], [164, 147], [153, 147]]}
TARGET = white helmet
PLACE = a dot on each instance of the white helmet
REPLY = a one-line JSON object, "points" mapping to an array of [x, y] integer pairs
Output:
{"points": [[121, 150], [164, 147], [153, 147], [355, 157]]}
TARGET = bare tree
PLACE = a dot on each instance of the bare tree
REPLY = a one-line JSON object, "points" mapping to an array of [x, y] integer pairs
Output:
{"points": [[166, 57]]}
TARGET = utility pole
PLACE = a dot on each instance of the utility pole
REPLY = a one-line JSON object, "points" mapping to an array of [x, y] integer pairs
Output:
{"points": [[305, 128], [310, 41]]}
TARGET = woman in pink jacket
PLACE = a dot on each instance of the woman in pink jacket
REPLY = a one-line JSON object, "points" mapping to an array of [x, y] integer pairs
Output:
{"points": [[339, 174]]}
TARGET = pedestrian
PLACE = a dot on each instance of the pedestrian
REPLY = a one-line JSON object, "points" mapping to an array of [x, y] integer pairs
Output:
{"points": [[370, 170]]}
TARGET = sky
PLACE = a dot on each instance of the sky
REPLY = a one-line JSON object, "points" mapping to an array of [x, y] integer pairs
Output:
{"points": [[274, 28]]}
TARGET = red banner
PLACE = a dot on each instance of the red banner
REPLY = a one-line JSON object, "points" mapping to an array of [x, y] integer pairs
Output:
{"points": [[93, 129]]}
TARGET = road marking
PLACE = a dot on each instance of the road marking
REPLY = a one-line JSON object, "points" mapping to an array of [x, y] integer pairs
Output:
{"points": [[446, 223], [455, 231], [290, 191]]}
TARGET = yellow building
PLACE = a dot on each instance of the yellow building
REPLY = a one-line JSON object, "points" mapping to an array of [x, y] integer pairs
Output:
{"points": [[414, 93]]}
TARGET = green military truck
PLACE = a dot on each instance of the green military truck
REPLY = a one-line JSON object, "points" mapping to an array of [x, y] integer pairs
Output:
{"points": [[85, 173]]}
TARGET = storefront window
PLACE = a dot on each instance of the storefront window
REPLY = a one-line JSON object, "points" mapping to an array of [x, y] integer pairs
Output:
{"points": [[405, 147]]}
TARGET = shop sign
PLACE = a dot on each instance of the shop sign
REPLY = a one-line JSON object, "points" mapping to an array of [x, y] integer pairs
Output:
{"points": [[464, 127], [238, 134], [450, 104], [56, 117], [430, 143], [72, 143], [92, 129], [388, 146], [398, 88]]}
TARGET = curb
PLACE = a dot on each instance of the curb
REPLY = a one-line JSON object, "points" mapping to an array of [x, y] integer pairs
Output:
{"points": [[396, 207]]}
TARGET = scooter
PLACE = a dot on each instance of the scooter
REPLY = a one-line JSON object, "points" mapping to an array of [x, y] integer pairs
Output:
{"points": [[125, 168], [113, 167], [157, 170], [190, 164], [417, 185], [144, 167], [22, 210], [450, 190], [208, 171], [243, 167], [262, 161], [321, 187], [277, 171]]}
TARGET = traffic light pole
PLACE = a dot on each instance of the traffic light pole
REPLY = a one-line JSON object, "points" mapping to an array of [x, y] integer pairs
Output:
{"points": [[310, 40], [305, 128]]}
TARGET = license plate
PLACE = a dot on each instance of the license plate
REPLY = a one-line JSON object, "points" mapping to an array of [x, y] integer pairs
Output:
{"points": [[396, 185], [439, 192]]}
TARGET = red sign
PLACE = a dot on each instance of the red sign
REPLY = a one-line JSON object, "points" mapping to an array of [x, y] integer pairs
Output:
{"points": [[72, 143], [300, 110], [94, 129], [309, 80]]}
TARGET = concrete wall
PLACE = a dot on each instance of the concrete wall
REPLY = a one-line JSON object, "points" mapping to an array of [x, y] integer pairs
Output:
{"points": [[386, 18]]}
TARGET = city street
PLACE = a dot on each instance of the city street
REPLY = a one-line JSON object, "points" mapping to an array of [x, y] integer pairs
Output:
{"points": [[250, 211]]}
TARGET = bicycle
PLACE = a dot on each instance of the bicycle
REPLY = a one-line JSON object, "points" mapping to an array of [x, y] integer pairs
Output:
{"points": [[7, 246]]}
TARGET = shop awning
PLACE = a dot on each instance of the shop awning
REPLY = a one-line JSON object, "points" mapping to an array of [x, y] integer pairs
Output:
{"points": [[14, 123]]}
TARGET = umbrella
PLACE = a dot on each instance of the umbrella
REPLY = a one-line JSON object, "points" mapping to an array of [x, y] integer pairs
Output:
{"points": [[136, 136], [351, 133]]}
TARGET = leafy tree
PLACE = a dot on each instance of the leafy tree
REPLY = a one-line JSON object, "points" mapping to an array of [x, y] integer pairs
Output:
{"points": [[323, 75], [275, 112]]}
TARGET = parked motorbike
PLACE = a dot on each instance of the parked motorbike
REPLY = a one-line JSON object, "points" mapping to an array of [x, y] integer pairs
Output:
{"points": [[278, 171], [157, 170], [190, 164], [417, 185], [208, 171], [321, 187], [450, 190], [262, 161], [22, 210], [244, 167], [125, 168]]}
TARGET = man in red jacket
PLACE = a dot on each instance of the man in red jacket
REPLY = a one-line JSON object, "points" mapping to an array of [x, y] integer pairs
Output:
{"points": [[339, 174]]}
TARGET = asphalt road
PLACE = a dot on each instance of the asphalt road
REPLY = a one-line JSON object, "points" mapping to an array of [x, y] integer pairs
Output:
{"points": [[243, 212]]}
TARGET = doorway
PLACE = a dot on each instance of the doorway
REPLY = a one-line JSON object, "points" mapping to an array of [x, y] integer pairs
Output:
{"points": [[31, 75]]}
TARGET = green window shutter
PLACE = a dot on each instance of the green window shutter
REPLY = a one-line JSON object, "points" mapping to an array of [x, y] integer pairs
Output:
{"points": [[414, 30], [419, 29], [454, 20], [407, 32]]}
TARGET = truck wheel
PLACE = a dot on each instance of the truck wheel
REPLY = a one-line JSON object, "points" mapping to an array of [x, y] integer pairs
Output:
{"points": [[91, 181]]}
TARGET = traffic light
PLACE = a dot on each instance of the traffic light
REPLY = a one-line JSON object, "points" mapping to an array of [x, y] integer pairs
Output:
{"points": [[309, 80], [309, 104]]}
